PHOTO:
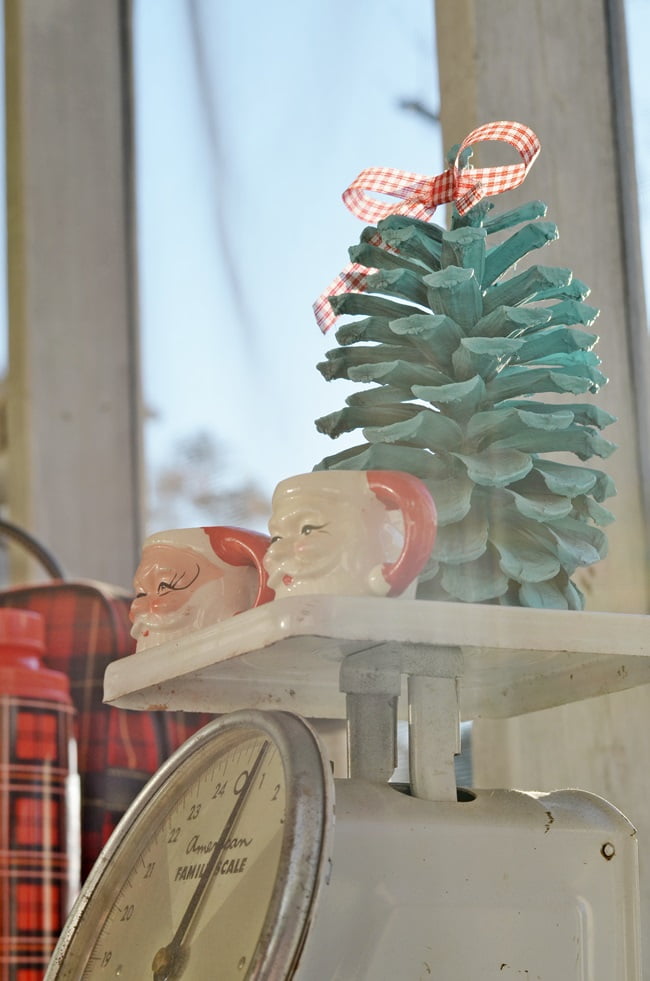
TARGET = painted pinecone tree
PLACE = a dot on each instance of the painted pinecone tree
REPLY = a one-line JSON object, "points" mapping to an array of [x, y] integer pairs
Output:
{"points": [[454, 351]]}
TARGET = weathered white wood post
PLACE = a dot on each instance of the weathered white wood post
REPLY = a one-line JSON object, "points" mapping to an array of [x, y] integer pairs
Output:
{"points": [[563, 72], [73, 404]]}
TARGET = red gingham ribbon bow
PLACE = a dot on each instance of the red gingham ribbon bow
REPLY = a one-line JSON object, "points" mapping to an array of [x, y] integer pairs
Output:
{"points": [[421, 195]]}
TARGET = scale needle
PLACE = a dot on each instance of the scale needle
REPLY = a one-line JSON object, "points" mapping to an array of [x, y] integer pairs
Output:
{"points": [[169, 962]]}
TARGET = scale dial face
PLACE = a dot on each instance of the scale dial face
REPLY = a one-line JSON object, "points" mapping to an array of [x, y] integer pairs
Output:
{"points": [[214, 870]]}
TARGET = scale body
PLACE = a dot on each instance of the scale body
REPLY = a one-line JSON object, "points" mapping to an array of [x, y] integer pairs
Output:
{"points": [[415, 881], [507, 885]]}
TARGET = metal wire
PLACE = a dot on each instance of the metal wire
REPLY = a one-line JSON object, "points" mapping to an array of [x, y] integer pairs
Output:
{"points": [[35, 549]]}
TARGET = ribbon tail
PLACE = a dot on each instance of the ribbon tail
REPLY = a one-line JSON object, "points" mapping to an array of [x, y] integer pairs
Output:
{"points": [[350, 279], [325, 316]]}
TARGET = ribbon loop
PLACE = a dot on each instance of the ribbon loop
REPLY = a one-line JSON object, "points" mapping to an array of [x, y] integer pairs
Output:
{"points": [[419, 195]]}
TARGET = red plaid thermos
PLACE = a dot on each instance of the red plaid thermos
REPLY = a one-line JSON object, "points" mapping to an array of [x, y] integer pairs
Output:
{"points": [[39, 800]]}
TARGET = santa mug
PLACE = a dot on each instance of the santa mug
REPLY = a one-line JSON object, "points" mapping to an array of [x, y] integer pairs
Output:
{"points": [[189, 578], [349, 532]]}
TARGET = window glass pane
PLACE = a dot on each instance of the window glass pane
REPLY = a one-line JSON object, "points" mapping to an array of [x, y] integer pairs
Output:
{"points": [[637, 14], [251, 121]]}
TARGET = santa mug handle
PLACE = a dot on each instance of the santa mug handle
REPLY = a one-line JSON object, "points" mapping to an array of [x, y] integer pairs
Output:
{"points": [[240, 546], [402, 491]]}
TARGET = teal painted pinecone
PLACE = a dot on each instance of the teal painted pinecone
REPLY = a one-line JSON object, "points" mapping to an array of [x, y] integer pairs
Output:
{"points": [[454, 352]]}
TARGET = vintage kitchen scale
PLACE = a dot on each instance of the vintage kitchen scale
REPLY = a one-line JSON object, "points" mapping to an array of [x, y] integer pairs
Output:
{"points": [[318, 876]]}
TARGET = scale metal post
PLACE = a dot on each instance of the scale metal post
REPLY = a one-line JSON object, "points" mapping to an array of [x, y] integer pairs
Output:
{"points": [[372, 682]]}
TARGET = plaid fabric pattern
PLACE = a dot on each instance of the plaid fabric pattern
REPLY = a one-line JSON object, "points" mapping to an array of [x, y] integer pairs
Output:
{"points": [[86, 626], [34, 819], [37, 736], [36, 871], [420, 196]]}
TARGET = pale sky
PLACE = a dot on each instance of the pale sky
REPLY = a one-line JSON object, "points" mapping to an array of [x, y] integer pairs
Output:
{"points": [[251, 165]]}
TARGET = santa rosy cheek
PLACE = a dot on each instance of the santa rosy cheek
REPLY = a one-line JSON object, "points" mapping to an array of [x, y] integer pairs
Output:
{"points": [[287, 580]]}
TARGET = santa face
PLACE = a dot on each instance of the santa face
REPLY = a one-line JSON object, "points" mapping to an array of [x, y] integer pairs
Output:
{"points": [[326, 543], [179, 590]]}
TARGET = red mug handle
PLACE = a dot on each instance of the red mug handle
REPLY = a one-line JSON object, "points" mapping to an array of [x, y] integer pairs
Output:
{"points": [[240, 546], [402, 491]]}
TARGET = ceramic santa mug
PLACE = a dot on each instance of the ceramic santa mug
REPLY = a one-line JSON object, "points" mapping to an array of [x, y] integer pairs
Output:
{"points": [[189, 578], [349, 532]]}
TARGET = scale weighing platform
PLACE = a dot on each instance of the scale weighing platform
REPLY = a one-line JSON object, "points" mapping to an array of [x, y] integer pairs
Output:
{"points": [[247, 857]]}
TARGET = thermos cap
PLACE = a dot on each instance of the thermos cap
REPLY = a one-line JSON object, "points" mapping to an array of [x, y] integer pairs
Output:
{"points": [[23, 628], [22, 644]]}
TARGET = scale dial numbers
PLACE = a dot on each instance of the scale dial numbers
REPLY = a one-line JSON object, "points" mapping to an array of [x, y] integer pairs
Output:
{"points": [[175, 861], [199, 877]]}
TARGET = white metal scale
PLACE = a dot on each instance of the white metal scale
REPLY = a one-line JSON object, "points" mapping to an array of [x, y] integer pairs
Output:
{"points": [[246, 858]]}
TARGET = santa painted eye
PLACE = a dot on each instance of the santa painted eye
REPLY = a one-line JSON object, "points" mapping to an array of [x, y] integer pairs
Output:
{"points": [[307, 529], [276, 538], [177, 581]]}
